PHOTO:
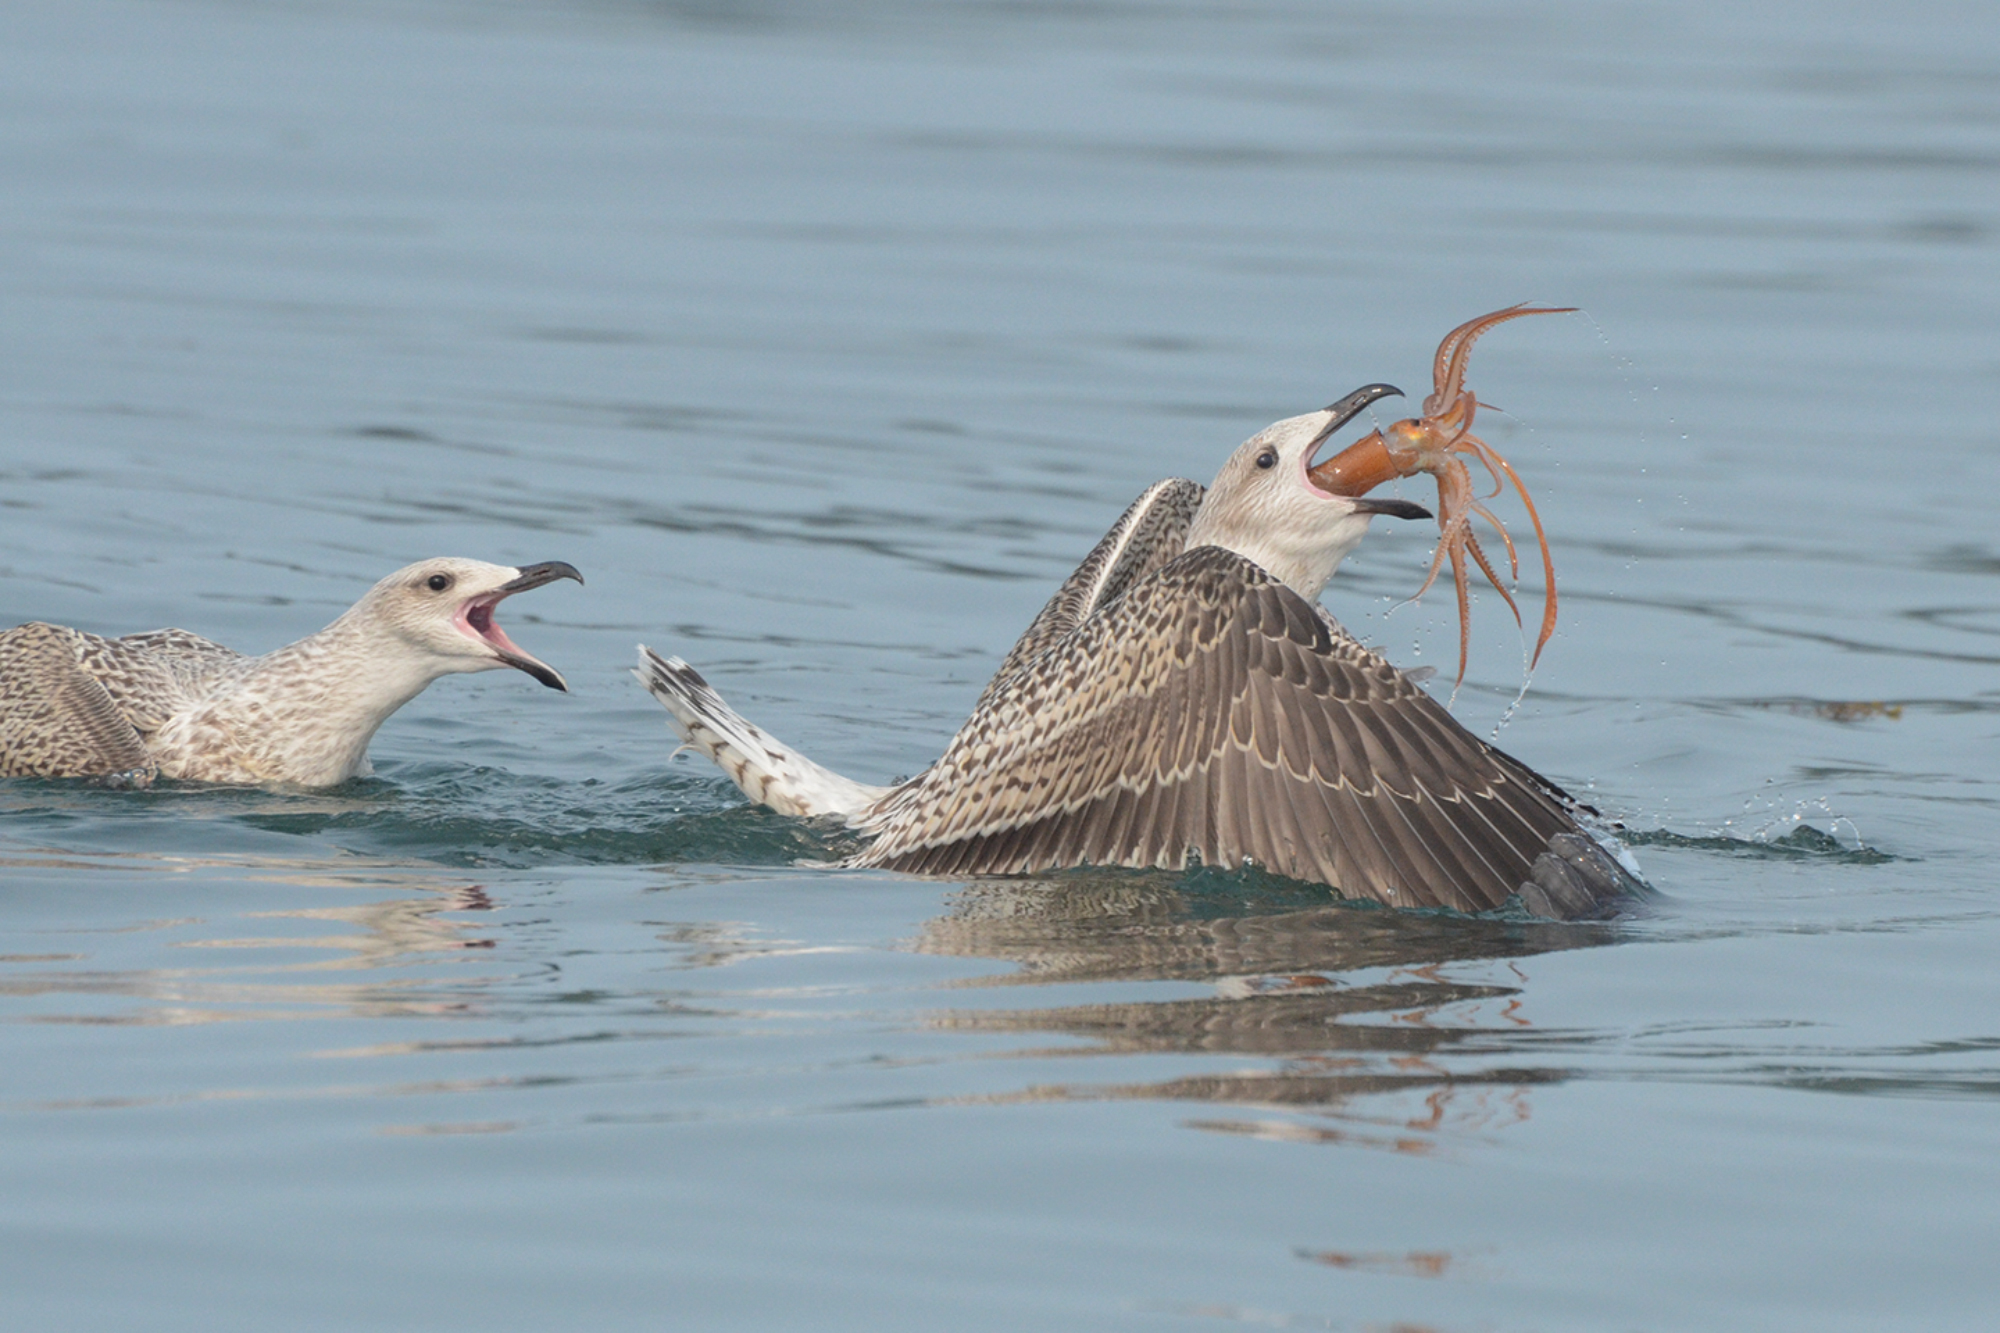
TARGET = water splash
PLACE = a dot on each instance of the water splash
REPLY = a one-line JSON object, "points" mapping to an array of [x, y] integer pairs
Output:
{"points": [[1804, 842]]}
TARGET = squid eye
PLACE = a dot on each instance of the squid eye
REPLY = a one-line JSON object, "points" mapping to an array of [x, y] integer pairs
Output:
{"points": [[1267, 459], [438, 582]]}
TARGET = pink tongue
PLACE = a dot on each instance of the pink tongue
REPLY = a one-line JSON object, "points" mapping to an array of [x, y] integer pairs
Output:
{"points": [[480, 617]]}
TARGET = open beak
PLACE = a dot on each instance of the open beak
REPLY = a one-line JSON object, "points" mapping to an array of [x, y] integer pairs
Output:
{"points": [[1391, 508], [1363, 465], [476, 616], [1351, 407]]}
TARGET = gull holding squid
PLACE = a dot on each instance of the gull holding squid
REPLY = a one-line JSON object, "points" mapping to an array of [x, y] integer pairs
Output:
{"points": [[1183, 697]]}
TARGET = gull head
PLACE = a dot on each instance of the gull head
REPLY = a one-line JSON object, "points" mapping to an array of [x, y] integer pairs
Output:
{"points": [[1264, 505], [443, 610]]}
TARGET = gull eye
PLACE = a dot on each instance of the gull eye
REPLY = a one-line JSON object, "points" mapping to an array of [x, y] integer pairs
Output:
{"points": [[1267, 459], [438, 582]]}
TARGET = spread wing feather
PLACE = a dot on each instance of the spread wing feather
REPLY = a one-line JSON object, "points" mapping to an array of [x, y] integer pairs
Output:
{"points": [[1208, 710]]}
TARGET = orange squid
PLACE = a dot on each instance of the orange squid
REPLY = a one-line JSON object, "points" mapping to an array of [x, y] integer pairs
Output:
{"points": [[1434, 443]]}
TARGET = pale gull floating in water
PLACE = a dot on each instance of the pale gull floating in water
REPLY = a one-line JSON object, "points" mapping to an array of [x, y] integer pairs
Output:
{"points": [[1183, 695], [172, 703]]}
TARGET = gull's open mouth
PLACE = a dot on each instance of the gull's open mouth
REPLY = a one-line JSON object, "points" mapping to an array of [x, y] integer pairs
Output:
{"points": [[1348, 408], [476, 617], [1342, 412], [1335, 477]]}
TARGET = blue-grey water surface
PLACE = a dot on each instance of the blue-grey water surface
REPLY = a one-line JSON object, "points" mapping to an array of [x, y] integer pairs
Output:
{"points": [[825, 338]]}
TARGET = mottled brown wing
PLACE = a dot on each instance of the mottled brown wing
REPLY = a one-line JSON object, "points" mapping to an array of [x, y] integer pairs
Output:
{"points": [[1151, 531], [1212, 711], [152, 676], [56, 720]]}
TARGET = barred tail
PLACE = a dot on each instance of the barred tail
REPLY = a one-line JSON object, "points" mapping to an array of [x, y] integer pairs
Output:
{"points": [[769, 771]]}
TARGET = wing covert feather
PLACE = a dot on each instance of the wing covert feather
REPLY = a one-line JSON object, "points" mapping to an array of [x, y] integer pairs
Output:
{"points": [[56, 720], [1211, 712], [156, 674], [1152, 530]]}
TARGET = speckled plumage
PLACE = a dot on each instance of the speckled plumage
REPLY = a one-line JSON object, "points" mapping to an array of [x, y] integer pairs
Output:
{"points": [[1179, 699], [170, 703], [1212, 712], [1152, 530], [57, 719]]}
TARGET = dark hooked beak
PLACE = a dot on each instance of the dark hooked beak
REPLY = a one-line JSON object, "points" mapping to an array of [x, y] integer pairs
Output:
{"points": [[478, 616], [534, 576], [1390, 508], [1351, 407]]}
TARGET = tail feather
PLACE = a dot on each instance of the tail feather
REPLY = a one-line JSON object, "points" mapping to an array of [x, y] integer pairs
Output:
{"points": [[769, 771]]}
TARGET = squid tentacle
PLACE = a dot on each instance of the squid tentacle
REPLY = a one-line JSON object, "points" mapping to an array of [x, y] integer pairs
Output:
{"points": [[1548, 563], [1438, 443], [1464, 609], [1480, 449], [1513, 557], [1486, 568]]}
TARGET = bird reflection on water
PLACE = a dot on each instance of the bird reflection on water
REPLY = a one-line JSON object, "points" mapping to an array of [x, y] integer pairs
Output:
{"points": [[249, 978], [1342, 1002]]}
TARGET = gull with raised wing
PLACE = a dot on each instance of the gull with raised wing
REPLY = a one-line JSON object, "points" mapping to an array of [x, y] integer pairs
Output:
{"points": [[1184, 696]]}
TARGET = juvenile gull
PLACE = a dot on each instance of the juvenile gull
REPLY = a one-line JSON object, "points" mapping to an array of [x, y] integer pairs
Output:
{"points": [[172, 703], [1183, 695]]}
